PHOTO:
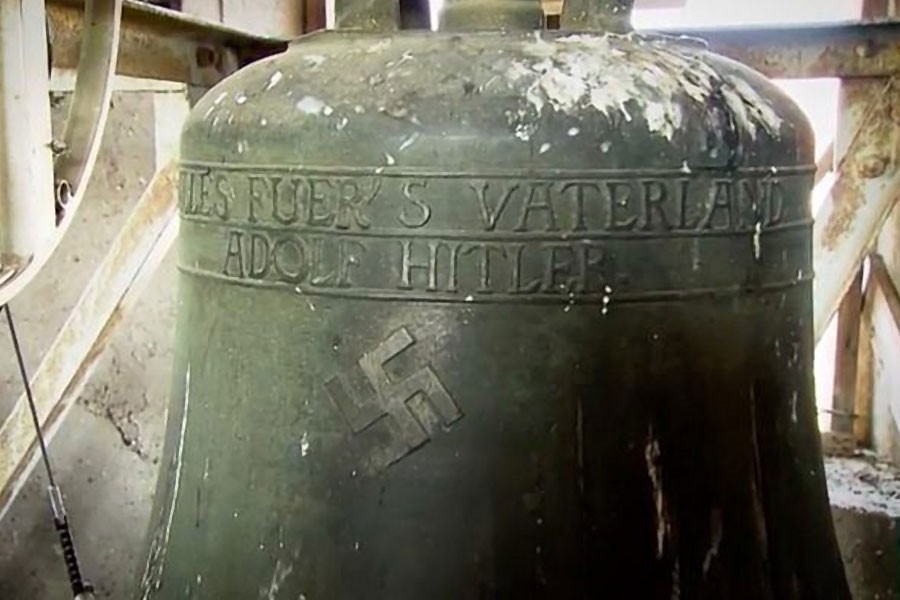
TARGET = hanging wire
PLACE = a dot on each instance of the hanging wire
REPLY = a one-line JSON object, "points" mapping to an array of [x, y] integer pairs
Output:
{"points": [[29, 395]]}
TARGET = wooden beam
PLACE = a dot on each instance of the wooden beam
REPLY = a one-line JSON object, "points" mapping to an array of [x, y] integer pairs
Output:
{"points": [[139, 247], [272, 18], [158, 43], [885, 378], [862, 424], [888, 289], [844, 50], [825, 164], [843, 408], [867, 187]]}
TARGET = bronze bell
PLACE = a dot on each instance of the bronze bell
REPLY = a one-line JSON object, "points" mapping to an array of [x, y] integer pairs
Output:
{"points": [[494, 314]]}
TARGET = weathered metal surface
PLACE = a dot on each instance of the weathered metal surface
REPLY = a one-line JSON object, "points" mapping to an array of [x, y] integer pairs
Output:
{"points": [[86, 120], [25, 216], [494, 316], [162, 44], [844, 50], [143, 241], [612, 15], [866, 188], [26, 164], [367, 15]]}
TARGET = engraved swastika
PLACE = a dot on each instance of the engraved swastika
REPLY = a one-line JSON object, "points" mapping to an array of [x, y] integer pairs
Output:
{"points": [[410, 423]]}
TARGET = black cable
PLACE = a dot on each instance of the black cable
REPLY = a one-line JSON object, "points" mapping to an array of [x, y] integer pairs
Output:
{"points": [[60, 519], [28, 393]]}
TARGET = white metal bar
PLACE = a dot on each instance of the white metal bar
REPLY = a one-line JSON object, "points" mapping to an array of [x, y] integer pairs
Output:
{"points": [[30, 220], [27, 218]]}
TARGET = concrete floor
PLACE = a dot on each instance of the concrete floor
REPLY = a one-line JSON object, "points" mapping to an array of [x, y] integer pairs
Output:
{"points": [[106, 454]]}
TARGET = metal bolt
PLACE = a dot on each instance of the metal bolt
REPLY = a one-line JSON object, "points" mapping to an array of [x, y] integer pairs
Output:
{"points": [[863, 50], [205, 57], [873, 166]]}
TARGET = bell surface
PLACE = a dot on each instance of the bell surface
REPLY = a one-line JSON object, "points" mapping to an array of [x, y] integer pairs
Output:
{"points": [[494, 315]]}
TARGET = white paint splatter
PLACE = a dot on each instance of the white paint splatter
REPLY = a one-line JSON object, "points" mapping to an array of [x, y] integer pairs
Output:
{"points": [[544, 148], [609, 73], [276, 77], [573, 131], [358, 109], [311, 106], [757, 246], [279, 576], [263, 122], [409, 141], [241, 98], [304, 444], [219, 98], [390, 159]]}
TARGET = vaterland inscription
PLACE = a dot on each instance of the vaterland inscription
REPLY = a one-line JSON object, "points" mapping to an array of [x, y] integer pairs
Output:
{"points": [[495, 237]]}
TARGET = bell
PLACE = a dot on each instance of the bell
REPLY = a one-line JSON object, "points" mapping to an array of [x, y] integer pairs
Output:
{"points": [[494, 312]]}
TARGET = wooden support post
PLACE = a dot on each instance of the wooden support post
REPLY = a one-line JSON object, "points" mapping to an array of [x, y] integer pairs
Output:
{"points": [[885, 340], [886, 285], [274, 18], [314, 15], [862, 424], [867, 187], [825, 164], [846, 359]]}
